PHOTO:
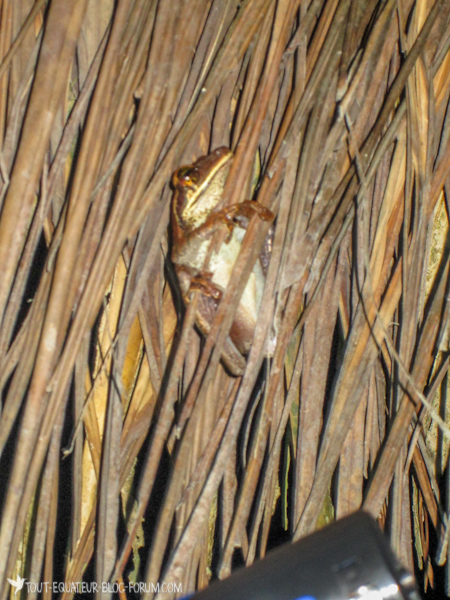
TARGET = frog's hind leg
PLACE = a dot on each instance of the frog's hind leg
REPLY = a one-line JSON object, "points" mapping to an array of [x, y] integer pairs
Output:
{"points": [[232, 359]]}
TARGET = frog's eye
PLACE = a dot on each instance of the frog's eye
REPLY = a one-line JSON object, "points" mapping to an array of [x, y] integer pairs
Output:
{"points": [[187, 175]]}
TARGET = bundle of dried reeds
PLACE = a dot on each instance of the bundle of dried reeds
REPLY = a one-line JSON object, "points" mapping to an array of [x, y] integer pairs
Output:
{"points": [[126, 447]]}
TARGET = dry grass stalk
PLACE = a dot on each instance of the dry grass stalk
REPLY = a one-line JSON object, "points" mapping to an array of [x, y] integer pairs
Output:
{"points": [[345, 107]]}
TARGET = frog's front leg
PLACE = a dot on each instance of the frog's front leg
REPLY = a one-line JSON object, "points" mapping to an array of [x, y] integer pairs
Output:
{"points": [[247, 209], [230, 217], [215, 222]]}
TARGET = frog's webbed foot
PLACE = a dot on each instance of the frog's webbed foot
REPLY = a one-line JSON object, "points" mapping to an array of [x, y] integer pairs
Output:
{"points": [[191, 280], [202, 283]]}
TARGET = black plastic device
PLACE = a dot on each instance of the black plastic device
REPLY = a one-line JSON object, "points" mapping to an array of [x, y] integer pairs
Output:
{"points": [[348, 560]]}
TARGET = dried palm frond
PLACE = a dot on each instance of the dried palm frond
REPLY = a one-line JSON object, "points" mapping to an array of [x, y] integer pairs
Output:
{"points": [[128, 451]]}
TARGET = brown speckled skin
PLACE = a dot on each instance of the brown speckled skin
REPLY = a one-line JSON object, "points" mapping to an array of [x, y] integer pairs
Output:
{"points": [[198, 189]]}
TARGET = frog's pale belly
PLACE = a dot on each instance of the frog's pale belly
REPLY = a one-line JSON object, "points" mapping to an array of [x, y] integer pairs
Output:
{"points": [[221, 266]]}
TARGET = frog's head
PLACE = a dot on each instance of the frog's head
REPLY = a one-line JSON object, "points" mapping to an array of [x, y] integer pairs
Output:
{"points": [[198, 188]]}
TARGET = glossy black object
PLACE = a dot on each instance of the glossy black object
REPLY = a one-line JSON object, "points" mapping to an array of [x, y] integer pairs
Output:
{"points": [[348, 560]]}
